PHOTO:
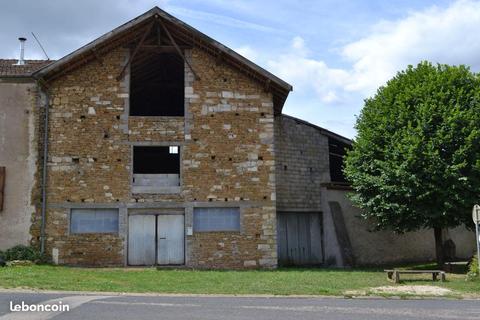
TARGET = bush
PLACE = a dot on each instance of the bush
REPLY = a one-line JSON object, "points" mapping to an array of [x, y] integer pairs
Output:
{"points": [[473, 269], [22, 252]]}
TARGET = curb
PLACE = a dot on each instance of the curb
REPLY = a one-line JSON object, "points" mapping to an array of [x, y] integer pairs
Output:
{"points": [[267, 296]]}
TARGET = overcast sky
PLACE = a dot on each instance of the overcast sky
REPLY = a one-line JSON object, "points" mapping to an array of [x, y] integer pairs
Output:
{"points": [[335, 53]]}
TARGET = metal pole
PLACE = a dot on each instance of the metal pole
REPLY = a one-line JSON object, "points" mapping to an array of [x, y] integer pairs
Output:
{"points": [[44, 173]]}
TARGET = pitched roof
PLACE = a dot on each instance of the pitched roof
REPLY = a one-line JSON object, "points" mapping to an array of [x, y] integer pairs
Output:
{"points": [[323, 131], [8, 67], [135, 28]]}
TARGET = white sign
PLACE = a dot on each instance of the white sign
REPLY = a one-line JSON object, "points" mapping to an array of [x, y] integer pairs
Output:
{"points": [[476, 220], [476, 214]]}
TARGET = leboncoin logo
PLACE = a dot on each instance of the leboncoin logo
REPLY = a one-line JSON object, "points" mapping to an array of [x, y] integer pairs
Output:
{"points": [[24, 307]]}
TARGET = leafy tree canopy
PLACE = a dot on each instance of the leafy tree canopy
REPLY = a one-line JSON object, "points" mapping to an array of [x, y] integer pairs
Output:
{"points": [[415, 162]]}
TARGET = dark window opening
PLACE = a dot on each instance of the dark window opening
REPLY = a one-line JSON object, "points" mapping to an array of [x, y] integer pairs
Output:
{"points": [[337, 151], [156, 160], [156, 169], [157, 86]]}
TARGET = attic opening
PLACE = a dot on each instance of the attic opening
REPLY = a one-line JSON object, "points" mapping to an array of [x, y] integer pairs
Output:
{"points": [[155, 169], [157, 84], [337, 152], [157, 72]]}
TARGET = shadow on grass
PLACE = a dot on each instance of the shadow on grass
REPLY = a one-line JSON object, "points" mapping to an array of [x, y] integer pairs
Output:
{"points": [[424, 280]]}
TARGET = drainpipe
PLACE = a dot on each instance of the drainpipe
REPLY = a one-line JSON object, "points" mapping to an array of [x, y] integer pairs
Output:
{"points": [[44, 164]]}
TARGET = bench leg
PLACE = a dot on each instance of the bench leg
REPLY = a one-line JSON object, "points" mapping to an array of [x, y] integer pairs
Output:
{"points": [[434, 276], [390, 275], [396, 277], [442, 276]]}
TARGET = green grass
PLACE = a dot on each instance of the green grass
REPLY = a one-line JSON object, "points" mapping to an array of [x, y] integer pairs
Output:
{"points": [[150, 280]]}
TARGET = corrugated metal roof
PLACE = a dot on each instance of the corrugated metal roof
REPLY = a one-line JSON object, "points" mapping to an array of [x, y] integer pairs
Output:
{"points": [[9, 69]]}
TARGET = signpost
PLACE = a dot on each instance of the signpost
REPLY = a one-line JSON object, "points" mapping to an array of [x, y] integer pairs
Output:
{"points": [[476, 220]]}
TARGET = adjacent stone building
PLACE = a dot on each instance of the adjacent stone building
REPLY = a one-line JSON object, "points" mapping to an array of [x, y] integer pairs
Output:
{"points": [[312, 191], [164, 147]]}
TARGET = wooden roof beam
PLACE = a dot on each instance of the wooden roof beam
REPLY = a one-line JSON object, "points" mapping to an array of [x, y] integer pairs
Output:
{"points": [[97, 56], [180, 53], [162, 49], [144, 36]]}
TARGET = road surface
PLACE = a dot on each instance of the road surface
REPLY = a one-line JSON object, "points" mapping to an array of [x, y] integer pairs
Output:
{"points": [[136, 307]]}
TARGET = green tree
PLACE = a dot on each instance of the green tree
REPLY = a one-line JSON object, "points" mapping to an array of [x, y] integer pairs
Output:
{"points": [[415, 162]]}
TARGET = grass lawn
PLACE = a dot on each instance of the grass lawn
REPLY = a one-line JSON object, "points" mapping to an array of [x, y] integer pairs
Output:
{"points": [[150, 280]]}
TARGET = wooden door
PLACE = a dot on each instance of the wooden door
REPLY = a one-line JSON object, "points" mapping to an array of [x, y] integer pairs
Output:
{"points": [[141, 240], [170, 239], [299, 238]]}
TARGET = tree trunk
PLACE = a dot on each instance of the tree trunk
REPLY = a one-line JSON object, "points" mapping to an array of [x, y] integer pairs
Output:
{"points": [[439, 247]]}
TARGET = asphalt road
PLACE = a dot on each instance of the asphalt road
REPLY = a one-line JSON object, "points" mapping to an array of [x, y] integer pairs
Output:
{"points": [[235, 308]]}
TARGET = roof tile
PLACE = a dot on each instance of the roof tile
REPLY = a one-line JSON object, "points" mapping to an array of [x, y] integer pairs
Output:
{"points": [[8, 67]]}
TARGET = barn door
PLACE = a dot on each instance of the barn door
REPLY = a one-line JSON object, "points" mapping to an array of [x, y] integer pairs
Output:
{"points": [[141, 240], [170, 233], [299, 238]]}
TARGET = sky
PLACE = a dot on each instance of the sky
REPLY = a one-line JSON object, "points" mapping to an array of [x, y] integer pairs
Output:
{"points": [[335, 53]]}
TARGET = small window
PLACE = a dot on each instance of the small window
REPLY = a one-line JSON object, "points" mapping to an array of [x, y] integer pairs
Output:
{"points": [[156, 160], [216, 219], [156, 169], [94, 221]]}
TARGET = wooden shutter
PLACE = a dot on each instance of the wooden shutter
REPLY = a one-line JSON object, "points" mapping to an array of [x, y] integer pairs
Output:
{"points": [[2, 186]]}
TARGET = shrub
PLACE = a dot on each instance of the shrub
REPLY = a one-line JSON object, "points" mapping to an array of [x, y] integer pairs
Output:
{"points": [[473, 269], [22, 252]]}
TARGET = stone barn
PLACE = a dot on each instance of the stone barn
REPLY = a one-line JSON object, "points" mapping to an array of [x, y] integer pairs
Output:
{"points": [[156, 145]]}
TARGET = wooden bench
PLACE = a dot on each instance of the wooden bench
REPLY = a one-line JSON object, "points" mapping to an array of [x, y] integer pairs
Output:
{"points": [[395, 274]]}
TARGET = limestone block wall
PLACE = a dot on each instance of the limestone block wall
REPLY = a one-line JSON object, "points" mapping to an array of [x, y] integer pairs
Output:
{"points": [[89, 249], [302, 165], [228, 157], [156, 129], [226, 141], [249, 248], [88, 163]]}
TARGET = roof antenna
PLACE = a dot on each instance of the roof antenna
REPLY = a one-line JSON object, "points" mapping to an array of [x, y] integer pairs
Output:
{"points": [[46, 55]]}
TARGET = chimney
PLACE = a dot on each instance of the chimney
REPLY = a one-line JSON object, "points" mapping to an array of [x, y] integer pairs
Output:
{"points": [[21, 61]]}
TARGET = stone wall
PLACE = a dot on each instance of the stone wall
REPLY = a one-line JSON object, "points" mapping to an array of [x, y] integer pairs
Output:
{"points": [[18, 155], [165, 129], [249, 248], [386, 247], [81, 249], [226, 140], [88, 163], [301, 165], [228, 157], [302, 168]]}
